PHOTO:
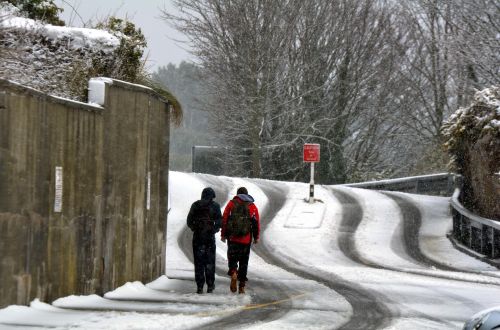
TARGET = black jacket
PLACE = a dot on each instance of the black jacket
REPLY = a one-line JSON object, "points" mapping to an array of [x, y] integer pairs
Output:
{"points": [[198, 211]]}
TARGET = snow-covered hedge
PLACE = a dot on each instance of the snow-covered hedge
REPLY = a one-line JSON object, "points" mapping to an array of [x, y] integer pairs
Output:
{"points": [[43, 10], [471, 123], [12, 20], [59, 60], [473, 139]]}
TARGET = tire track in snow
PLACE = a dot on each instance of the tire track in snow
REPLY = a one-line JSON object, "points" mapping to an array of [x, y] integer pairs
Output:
{"points": [[351, 219], [352, 215], [350, 224], [368, 311], [412, 221]]}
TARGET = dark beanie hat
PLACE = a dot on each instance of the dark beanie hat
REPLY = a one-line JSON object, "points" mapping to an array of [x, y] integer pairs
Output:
{"points": [[242, 190], [208, 194]]}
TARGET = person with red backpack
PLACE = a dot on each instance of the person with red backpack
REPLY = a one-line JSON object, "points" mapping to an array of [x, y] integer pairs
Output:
{"points": [[240, 225], [204, 219]]}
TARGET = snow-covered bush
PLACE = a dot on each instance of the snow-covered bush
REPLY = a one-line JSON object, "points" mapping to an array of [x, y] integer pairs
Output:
{"points": [[131, 47], [471, 123], [43, 10], [472, 136], [59, 60]]}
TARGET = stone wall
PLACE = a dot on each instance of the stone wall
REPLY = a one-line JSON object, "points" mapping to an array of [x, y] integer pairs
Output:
{"points": [[105, 223]]}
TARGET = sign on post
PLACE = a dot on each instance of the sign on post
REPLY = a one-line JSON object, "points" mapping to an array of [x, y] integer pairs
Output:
{"points": [[311, 155]]}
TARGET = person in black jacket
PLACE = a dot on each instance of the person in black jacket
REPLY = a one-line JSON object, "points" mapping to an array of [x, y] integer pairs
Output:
{"points": [[204, 219]]}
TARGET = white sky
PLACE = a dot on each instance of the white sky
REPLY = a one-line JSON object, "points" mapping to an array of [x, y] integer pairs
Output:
{"points": [[145, 14], [303, 236]]}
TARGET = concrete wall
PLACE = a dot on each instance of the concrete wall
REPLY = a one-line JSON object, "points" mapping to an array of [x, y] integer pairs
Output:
{"points": [[110, 229]]}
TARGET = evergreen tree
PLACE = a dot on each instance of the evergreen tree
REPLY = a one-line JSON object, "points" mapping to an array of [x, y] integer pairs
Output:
{"points": [[186, 82], [42, 10]]}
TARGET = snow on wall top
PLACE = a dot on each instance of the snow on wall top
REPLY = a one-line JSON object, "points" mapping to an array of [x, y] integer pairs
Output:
{"points": [[75, 37], [97, 90]]}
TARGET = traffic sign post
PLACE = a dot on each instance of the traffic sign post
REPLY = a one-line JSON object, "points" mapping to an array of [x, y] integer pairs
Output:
{"points": [[311, 155]]}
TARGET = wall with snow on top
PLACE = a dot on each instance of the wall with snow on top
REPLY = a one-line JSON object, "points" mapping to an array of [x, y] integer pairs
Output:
{"points": [[83, 193]]}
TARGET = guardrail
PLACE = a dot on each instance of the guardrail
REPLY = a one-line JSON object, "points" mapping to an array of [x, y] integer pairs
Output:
{"points": [[434, 184], [474, 232]]}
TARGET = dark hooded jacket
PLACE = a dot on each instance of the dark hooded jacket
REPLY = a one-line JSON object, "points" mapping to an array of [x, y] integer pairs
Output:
{"points": [[200, 210]]}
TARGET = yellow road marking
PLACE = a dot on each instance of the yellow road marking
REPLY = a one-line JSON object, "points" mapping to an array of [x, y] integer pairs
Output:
{"points": [[250, 307], [254, 306]]}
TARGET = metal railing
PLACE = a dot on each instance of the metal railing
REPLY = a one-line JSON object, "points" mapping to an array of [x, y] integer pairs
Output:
{"points": [[434, 184], [476, 233]]}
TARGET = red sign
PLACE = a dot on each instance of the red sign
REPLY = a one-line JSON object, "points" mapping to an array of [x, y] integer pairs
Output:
{"points": [[311, 152]]}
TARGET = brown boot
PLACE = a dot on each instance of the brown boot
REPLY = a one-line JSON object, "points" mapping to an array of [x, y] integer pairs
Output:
{"points": [[234, 279], [241, 287]]}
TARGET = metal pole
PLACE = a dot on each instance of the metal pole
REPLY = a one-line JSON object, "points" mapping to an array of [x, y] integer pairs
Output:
{"points": [[311, 185]]}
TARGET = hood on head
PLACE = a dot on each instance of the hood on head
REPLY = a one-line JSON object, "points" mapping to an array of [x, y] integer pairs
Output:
{"points": [[245, 198], [208, 194]]}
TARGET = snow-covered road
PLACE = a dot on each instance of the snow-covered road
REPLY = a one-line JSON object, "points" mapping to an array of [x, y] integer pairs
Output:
{"points": [[358, 259]]}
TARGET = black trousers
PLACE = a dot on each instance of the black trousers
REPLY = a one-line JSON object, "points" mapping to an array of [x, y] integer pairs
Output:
{"points": [[237, 259], [204, 263]]}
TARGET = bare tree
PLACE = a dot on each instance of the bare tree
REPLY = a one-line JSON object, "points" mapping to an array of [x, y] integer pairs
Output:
{"points": [[449, 48], [285, 73], [371, 81], [240, 45], [477, 46], [339, 59], [426, 68]]}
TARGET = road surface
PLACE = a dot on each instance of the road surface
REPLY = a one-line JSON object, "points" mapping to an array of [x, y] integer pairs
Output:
{"points": [[356, 259]]}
